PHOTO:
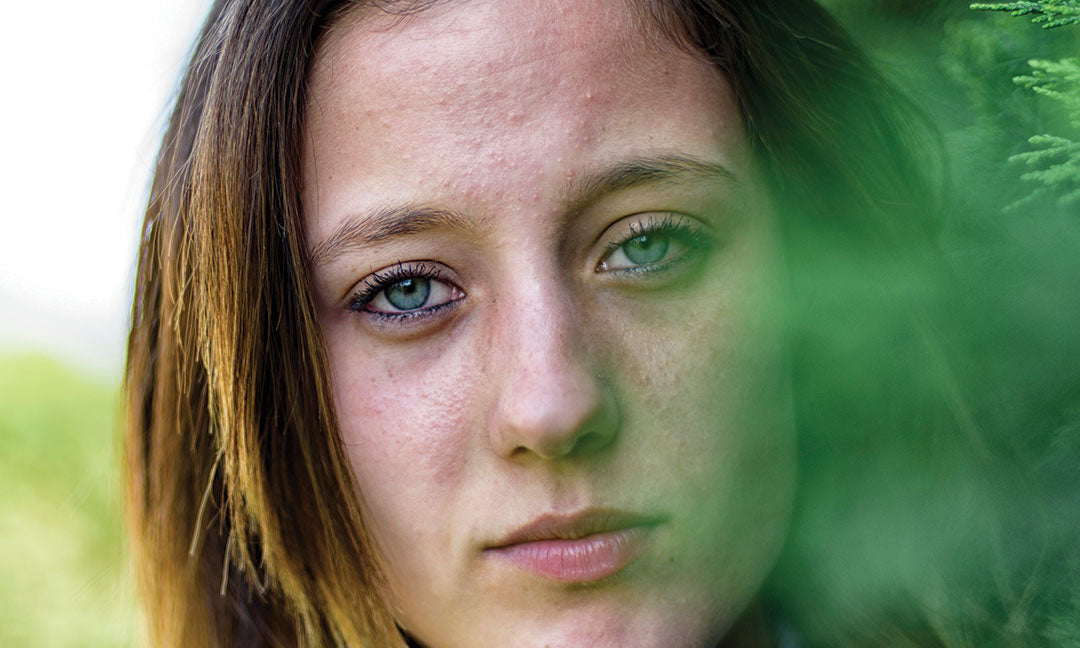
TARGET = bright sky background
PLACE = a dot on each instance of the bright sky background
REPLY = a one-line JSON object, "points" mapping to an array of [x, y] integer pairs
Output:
{"points": [[86, 87]]}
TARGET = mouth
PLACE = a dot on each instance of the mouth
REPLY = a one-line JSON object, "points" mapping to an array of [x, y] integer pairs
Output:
{"points": [[578, 548]]}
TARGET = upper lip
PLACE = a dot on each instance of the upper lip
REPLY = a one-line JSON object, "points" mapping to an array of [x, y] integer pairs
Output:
{"points": [[554, 526]]}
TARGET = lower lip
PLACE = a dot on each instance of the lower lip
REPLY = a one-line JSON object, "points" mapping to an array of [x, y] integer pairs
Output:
{"points": [[581, 560]]}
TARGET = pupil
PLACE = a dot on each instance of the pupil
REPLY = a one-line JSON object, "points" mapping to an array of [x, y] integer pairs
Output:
{"points": [[409, 294], [646, 249]]}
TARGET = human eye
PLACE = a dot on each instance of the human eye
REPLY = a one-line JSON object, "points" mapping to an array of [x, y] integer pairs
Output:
{"points": [[652, 246], [405, 293]]}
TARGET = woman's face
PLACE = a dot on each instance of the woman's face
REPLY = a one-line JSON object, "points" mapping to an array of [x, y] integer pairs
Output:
{"points": [[547, 269]]}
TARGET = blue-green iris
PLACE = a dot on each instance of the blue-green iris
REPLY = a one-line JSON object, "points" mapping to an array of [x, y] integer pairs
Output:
{"points": [[646, 249], [409, 294]]}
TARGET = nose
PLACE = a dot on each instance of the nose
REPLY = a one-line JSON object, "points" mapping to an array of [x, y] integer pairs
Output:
{"points": [[551, 404]]}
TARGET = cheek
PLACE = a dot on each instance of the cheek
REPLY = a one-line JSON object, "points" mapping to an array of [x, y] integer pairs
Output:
{"points": [[711, 354], [705, 386], [404, 416]]}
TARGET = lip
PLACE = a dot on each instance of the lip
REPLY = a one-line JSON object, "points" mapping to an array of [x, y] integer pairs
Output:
{"points": [[577, 548]]}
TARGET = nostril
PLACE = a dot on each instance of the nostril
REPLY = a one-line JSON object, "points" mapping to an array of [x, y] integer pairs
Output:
{"points": [[590, 442], [577, 419]]}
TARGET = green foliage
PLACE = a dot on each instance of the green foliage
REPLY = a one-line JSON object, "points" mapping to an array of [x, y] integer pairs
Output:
{"points": [[1016, 325], [1051, 13], [1057, 157], [1064, 630]]}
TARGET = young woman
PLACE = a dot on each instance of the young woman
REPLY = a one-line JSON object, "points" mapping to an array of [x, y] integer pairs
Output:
{"points": [[495, 323]]}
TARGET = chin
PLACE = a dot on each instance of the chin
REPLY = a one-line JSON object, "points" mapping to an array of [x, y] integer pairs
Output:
{"points": [[675, 623]]}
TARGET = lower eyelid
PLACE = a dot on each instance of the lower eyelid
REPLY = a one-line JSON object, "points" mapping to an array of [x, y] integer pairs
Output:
{"points": [[660, 266], [693, 241], [409, 320], [390, 320], [672, 271]]}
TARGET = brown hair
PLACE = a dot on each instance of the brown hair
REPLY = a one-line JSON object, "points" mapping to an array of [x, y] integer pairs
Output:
{"points": [[241, 501], [246, 521]]}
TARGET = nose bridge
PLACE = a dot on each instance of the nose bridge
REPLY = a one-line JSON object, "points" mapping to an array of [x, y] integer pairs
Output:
{"points": [[551, 401], [544, 326]]}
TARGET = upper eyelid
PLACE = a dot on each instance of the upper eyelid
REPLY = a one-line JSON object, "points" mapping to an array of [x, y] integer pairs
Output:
{"points": [[371, 284], [438, 270], [402, 270], [650, 219], [649, 222]]}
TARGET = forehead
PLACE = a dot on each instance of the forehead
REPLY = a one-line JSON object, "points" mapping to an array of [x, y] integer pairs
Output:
{"points": [[450, 97], [473, 40], [477, 37]]}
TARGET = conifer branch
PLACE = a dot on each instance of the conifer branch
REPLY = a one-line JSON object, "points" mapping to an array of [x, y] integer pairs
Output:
{"points": [[1056, 160], [1050, 13]]}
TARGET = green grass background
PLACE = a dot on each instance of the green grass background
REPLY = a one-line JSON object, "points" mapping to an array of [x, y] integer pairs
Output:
{"points": [[65, 579]]}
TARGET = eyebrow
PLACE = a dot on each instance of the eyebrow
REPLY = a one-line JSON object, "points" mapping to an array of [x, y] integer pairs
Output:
{"points": [[643, 170], [404, 220], [381, 224]]}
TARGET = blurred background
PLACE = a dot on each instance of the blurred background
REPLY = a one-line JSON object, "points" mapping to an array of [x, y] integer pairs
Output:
{"points": [[88, 88], [87, 85]]}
